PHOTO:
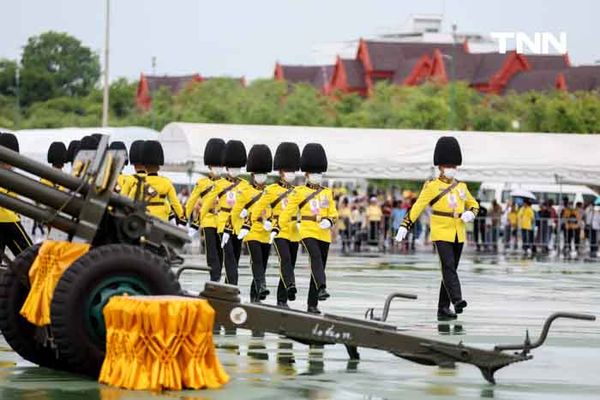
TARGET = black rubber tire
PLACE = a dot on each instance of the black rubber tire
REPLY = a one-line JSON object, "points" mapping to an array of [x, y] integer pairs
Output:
{"points": [[76, 346], [17, 331]]}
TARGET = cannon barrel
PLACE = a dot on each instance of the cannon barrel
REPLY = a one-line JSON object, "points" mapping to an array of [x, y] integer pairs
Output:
{"points": [[41, 193], [29, 210]]}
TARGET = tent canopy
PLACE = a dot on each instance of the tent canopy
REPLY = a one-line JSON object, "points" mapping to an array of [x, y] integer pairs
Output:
{"points": [[408, 154]]}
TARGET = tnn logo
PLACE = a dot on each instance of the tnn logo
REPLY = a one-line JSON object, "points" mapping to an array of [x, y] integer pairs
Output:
{"points": [[539, 44]]}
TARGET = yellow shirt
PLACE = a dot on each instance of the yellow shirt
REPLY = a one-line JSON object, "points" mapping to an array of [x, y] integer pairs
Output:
{"points": [[221, 206], [449, 227], [526, 218], [203, 187], [311, 213], [124, 184], [137, 180], [513, 218], [257, 213], [271, 194], [162, 197], [374, 213], [7, 215]]}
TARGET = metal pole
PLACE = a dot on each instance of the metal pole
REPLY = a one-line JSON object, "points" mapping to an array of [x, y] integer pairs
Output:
{"points": [[453, 81], [106, 53]]}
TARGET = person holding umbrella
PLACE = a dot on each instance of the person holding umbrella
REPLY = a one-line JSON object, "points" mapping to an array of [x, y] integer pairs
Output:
{"points": [[452, 206]]}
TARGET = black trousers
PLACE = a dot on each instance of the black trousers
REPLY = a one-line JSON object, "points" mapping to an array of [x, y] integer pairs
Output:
{"points": [[593, 241], [214, 253], [287, 252], [259, 256], [479, 232], [13, 236], [317, 253], [450, 291], [231, 259], [527, 236]]}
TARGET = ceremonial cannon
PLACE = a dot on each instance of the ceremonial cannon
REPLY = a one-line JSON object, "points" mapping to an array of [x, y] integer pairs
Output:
{"points": [[130, 252]]}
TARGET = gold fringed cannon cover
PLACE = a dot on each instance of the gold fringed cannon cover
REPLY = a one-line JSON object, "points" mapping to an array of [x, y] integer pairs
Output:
{"points": [[52, 261], [160, 343]]}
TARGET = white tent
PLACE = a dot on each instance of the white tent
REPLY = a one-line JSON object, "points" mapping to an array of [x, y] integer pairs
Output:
{"points": [[408, 154], [34, 143]]}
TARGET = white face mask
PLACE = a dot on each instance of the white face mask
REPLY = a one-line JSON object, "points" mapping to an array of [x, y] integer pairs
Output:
{"points": [[289, 177], [260, 178], [315, 179], [216, 171], [449, 172], [233, 172]]}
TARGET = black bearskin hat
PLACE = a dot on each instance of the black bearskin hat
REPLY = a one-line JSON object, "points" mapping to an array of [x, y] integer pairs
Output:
{"points": [[314, 159], [260, 160], [97, 136], [119, 146], [135, 152], [287, 157], [88, 143], [152, 153], [447, 151], [57, 153], [234, 155], [72, 150], [213, 152], [9, 141]]}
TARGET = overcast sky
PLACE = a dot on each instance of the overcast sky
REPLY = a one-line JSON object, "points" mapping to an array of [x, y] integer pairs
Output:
{"points": [[243, 37]]}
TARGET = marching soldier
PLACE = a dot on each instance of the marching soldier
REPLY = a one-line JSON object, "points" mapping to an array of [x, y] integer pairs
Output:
{"points": [[284, 238], [136, 190], [213, 159], [452, 207], [256, 229], [220, 201], [12, 234], [159, 192], [57, 157], [124, 182], [316, 211]]}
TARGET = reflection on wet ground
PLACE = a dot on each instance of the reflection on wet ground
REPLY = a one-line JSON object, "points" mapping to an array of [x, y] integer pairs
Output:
{"points": [[507, 294]]}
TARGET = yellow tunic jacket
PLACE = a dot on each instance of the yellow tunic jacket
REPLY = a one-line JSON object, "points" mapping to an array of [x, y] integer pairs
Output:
{"points": [[7, 215], [257, 214], [446, 224], [310, 214], [526, 218], [161, 197], [271, 194], [124, 184], [201, 190], [221, 205], [137, 178]]}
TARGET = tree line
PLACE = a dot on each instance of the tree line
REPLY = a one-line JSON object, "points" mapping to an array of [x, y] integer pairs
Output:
{"points": [[58, 86]]}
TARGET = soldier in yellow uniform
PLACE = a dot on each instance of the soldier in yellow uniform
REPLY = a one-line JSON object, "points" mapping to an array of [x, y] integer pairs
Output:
{"points": [[285, 239], [160, 194], [213, 159], [136, 190], [12, 234], [526, 218], [256, 229], [452, 207], [124, 181], [221, 200], [316, 213]]}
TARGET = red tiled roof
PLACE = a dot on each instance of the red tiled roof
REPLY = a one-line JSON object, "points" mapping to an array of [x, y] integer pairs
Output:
{"points": [[387, 56], [540, 80], [355, 73], [404, 70], [584, 77], [547, 62], [173, 83], [315, 75]]}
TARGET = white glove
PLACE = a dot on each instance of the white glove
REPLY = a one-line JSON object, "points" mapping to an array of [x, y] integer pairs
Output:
{"points": [[272, 236], [401, 235], [224, 239], [325, 224], [244, 213], [243, 233], [192, 232], [268, 225], [467, 216]]}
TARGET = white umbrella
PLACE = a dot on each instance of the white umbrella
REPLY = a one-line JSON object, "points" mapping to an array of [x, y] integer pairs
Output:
{"points": [[522, 193]]}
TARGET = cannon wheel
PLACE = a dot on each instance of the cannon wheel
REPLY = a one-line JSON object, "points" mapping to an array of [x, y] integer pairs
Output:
{"points": [[18, 332], [84, 290]]}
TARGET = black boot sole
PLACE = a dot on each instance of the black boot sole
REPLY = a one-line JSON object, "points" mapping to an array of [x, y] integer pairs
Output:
{"points": [[458, 307]]}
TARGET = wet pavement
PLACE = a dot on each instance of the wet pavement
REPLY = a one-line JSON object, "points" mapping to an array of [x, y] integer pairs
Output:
{"points": [[506, 294]]}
